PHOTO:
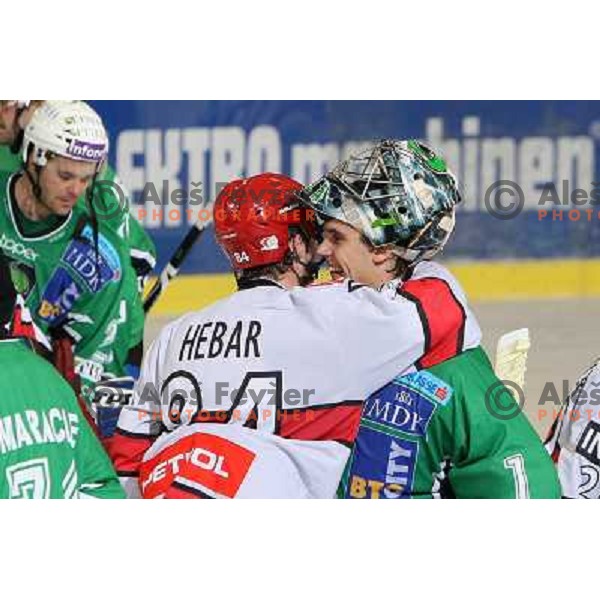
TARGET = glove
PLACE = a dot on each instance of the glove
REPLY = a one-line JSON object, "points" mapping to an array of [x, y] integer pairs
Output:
{"points": [[110, 395]]}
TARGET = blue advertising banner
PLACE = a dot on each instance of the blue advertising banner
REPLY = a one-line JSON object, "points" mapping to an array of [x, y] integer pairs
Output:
{"points": [[171, 154]]}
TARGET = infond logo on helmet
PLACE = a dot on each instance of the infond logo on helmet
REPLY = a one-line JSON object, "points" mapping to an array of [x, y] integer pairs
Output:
{"points": [[85, 151]]}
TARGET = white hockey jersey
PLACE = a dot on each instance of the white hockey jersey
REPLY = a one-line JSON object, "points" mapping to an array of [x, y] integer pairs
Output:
{"points": [[574, 439], [272, 381]]}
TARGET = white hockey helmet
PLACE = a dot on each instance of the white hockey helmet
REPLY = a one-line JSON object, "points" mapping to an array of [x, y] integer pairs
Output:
{"points": [[65, 128]]}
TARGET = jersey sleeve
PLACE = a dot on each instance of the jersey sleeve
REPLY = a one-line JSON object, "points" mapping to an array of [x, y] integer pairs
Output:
{"points": [[107, 328], [142, 250], [383, 335], [494, 451], [140, 422], [97, 477], [449, 325], [574, 439]]}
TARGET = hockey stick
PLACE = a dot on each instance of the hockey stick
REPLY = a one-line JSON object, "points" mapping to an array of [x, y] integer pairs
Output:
{"points": [[174, 264]]}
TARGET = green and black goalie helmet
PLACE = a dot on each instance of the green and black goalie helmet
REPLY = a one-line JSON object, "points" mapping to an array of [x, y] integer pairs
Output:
{"points": [[396, 192]]}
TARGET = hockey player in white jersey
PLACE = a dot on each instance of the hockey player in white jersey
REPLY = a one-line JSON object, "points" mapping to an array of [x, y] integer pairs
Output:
{"points": [[260, 394], [432, 433], [574, 438]]}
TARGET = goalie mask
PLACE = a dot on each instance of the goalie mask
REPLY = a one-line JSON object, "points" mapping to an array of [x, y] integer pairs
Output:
{"points": [[398, 193], [253, 218]]}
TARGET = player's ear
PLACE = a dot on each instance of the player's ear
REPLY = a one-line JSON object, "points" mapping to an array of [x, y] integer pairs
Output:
{"points": [[381, 256]]}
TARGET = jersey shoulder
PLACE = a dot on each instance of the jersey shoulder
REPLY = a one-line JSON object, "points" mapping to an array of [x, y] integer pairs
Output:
{"points": [[442, 308], [33, 370]]}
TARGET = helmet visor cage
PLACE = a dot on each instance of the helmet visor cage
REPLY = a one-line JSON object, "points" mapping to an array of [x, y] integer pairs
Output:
{"points": [[391, 192]]}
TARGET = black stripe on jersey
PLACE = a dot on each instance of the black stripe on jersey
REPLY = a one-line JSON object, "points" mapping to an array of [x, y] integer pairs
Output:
{"points": [[424, 323], [353, 286], [408, 273], [460, 338], [285, 411], [135, 474], [249, 283], [348, 445], [191, 490]]}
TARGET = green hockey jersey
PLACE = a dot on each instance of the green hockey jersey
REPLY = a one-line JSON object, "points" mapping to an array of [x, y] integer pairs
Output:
{"points": [[47, 448], [450, 428], [94, 297], [112, 205], [439, 433]]}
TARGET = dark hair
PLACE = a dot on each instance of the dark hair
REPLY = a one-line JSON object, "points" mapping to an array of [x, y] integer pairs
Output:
{"points": [[400, 265]]}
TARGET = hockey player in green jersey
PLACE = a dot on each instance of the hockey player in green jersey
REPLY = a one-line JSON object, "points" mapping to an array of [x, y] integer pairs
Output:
{"points": [[439, 431], [76, 278], [109, 200], [47, 449]]}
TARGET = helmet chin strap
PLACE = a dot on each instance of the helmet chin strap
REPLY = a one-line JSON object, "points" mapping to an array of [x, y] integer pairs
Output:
{"points": [[35, 186], [312, 268]]}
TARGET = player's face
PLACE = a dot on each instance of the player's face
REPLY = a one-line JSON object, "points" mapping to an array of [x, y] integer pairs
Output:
{"points": [[347, 255], [62, 181]]}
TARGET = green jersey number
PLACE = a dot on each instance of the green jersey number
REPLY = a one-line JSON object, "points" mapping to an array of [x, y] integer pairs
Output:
{"points": [[29, 479], [516, 463]]}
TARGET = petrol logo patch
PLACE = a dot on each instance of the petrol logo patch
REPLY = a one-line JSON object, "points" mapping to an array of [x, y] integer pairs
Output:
{"points": [[208, 464]]}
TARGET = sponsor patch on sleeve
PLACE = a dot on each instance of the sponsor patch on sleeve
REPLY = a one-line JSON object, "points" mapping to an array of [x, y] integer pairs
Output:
{"points": [[406, 404], [58, 298], [382, 467], [429, 385], [96, 271]]}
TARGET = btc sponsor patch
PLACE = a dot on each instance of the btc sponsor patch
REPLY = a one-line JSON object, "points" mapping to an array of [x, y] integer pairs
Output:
{"points": [[382, 467]]}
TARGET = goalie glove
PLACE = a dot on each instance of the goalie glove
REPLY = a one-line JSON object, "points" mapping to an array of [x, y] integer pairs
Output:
{"points": [[111, 392], [511, 358]]}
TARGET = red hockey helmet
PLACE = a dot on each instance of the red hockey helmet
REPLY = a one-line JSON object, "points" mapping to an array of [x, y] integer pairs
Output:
{"points": [[252, 219]]}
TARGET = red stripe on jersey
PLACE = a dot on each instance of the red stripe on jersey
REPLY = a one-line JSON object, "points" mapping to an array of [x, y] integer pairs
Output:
{"points": [[337, 423], [126, 452], [442, 315]]}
